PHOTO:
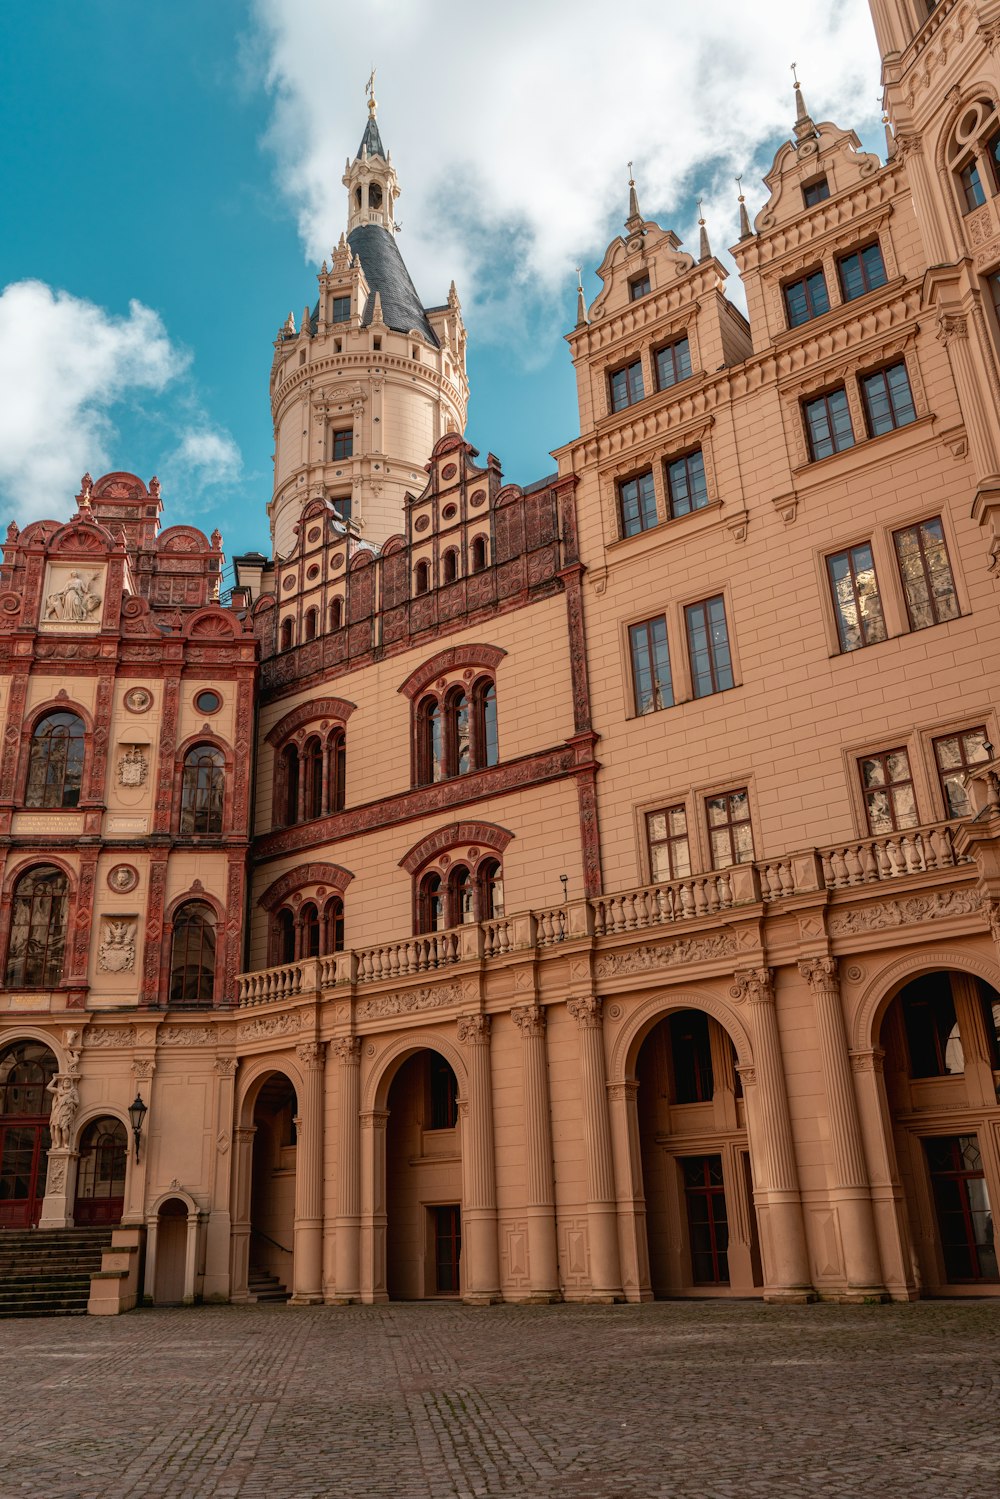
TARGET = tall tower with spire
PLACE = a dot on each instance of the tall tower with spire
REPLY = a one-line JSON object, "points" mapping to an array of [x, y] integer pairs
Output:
{"points": [[369, 378]]}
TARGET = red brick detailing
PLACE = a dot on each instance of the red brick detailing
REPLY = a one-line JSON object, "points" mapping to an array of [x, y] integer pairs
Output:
{"points": [[150, 993], [229, 962], [82, 920], [573, 578], [590, 837], [97, 779], [337, 708], [333, 875], [12, 733], [454, 658], [242, 770], [166, 776], [455, 834]]}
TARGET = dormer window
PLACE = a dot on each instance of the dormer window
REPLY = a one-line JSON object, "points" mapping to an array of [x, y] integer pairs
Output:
{"points": [[627, 386], [639, 286], [815, 192], [341, 310], [806, 298]]}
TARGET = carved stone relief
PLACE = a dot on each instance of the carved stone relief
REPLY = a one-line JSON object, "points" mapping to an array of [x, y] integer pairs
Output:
{"points": [[646, 959], [116, 948], [133, 766]]}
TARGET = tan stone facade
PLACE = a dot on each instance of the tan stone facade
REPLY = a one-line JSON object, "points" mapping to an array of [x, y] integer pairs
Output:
{"points": [[620, 853]]}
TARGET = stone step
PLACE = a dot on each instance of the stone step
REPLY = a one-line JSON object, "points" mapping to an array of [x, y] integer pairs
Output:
{"points": [[47, 1272]]}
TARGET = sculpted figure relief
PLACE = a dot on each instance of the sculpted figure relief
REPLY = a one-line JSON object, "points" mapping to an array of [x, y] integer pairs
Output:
{"points": [[65, 1102], [76, 601]]}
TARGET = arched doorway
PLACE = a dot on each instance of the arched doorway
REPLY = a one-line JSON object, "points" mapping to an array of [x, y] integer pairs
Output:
{"points": [[26, 1069], [171, 1253], [941, 1038], [423, 1181], [272, 1187], [700, 1221], [100, 1173]]}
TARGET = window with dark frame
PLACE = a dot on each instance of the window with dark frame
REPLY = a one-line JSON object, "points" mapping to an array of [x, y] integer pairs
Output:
{"points": [[673, 363], [708, 1225], [955, 755], [37, 940], [651, 684], [925, 571], [691, 1056], [806, 298], [668, 844], [687, 488], [443, 1093], [342, 443], [203, 790], [341, 310], [862, 271], [962, 1208], [972, 188], [888, 400], [816, 192], [708, 646], [637, 504], [857, 603], [730, 832], [828, 424], [447, 1221], [192, 955], [626, 386], [55, 761], [933, 1040], [887, 787], [639, 287]]}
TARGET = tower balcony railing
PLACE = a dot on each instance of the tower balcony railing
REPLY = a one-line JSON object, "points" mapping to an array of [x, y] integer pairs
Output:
{"points": [[916, 852]]}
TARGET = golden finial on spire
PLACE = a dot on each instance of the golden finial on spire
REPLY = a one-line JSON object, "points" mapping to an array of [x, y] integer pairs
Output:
{"points": [[795, 75], [370, 91]]}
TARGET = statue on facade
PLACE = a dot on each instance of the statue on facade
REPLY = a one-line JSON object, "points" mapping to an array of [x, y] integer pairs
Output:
{"points": [[76, 601], [65, 1102]]}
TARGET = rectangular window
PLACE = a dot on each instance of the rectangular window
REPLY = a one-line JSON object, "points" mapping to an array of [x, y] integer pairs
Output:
{"points": [[729, 829], [343, 443], [341, 309], [955, 755], [637, 504], [972, 187], [669, 849], [816, 192], [443, 1089], [691, 1054], [651, 666], [806, 298], [828, 424], [708, 1227], [640, 287], [708, 644], [962, 1208], [447, 1222], [888, 400], [887, 784], [861, 272], [856, 600], [673, 363], [686, 486], [932, 1034], [627, 386], [926, 574]]}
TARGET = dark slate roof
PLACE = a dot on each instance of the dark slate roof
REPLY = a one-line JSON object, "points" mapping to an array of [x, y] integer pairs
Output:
{"points": [[386, 274], [371, 140]]}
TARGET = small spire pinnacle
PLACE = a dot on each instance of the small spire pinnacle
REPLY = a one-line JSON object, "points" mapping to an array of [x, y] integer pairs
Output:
{"points": [[745, 230], [370, 91], [581, 303], [704, 248], [805, 129], [633, 201]]}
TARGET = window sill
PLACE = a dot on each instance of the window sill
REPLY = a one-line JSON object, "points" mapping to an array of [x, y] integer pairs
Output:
{"points": [[825, 320], [902, 635], [683, 702], [646, 403], [859, 454]]}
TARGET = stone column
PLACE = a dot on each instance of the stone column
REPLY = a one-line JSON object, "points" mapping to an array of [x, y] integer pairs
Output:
{"points": [[373, 1210], [216, 1286], [900, 1266], [307, 1272], [851, 1191], [480, 1247], [632, 1239], [347, 1275], [540, 1200], [239, 1267], [776, 1184], [602, 1205]]}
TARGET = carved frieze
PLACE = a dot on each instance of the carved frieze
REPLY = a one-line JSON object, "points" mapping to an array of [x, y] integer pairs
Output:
{"points": [[411, 1001], [185, 1035], [111, 1037], [892, 913], [266, 1027], [665, 955]]}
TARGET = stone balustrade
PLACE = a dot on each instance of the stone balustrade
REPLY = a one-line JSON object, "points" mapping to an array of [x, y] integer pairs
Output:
{"points": [[915, 852]]}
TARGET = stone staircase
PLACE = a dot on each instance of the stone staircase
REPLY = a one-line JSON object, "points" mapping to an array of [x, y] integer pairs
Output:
{"points": [[265, 1287], [46, 1272]]}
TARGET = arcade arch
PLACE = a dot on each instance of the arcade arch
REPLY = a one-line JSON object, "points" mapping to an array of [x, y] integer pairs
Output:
{"points": [[27, 1067]]}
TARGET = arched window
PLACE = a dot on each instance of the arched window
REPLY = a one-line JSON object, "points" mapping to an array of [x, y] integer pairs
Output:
{"points": [[461, 903], [421, 577], [312, 757], [336, 751], [55, 762], [192, 955], [485, 741], [284, 946], [26, 1069], [286, 635], [479, 554], [430, 741], [449, 565], [38, 929], [290, 767], [310, 931], [974, 154], [432, 913], [458, 746], [374, 195], [100, 1179], [336, 613], [203, 789], [312, 623], [489, 878], [333, 924]]}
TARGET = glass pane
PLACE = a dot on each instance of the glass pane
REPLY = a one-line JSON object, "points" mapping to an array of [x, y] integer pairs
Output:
{"points": [[718, 810], [949, 752], [898, 765], [879, 812], [905, 807], [656, 823], [722, 854], [873, 771], [678, 821]]}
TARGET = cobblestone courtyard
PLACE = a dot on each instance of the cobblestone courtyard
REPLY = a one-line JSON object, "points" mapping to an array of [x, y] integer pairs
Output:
{"points": [[672, 1399]]}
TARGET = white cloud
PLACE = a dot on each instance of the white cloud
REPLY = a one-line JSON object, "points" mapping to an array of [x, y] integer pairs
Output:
{"points": [[510, 125], [67, 369]]}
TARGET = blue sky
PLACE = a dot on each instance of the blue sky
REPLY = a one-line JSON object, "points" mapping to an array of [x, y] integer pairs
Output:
{"points": [[171, 177]]}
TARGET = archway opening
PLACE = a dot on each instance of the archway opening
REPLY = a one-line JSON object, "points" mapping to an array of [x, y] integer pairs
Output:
{"points": [[100, 1173], [171, 1252], [423, 1181], [26, 1070], [941, 1037], [272, 1189], [701, 1225]]}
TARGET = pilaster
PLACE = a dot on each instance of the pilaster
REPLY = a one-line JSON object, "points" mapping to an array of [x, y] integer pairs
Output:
{"points": [[480, 1248], [602, 1205], [540, 1201]]}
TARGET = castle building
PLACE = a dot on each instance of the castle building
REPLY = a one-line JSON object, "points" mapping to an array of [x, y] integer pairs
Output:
{"points": [[583, 890]]}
